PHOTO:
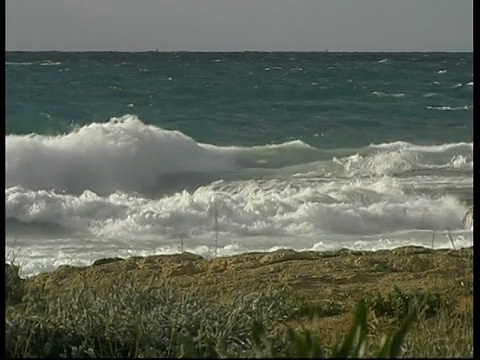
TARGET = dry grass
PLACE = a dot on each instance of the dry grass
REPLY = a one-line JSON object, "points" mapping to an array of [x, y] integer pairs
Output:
{"points": [[186, 305]]}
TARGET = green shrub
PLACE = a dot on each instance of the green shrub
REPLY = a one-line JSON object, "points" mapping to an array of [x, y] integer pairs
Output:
{"points": [[168, 321], [131, 322], [399, 304], [14, 289], [303, 344]]}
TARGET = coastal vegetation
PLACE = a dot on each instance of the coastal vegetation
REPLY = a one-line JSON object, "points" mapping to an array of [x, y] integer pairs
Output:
{"points": [[407, 302]]}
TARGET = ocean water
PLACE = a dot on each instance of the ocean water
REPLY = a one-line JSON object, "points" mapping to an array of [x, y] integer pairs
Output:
{"points": [[120, 154]]}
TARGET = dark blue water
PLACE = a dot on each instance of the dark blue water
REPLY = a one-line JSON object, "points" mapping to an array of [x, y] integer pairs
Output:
{"points": [[347, 99]]}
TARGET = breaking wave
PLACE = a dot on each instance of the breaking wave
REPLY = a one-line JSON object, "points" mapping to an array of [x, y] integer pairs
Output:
{"points": [[245, 208], [127, 155]]}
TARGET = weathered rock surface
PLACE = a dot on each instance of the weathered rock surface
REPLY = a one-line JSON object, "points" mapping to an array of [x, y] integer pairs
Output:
{"points": [[315, 275]]}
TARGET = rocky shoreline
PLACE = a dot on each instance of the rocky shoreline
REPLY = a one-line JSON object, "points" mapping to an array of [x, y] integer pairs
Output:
{"points": [[332, 283], [328, 275]]}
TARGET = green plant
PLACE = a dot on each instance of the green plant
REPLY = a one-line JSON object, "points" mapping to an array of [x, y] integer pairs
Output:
{"points": [[159, 318], [399, 304], [304, 344], [14, 290], [127, 321]]}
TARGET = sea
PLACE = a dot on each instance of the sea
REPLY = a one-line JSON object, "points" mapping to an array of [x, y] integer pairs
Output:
{"points": [[117, 154]]}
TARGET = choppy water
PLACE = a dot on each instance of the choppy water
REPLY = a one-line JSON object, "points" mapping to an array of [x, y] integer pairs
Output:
{"points": [[118, 154]]}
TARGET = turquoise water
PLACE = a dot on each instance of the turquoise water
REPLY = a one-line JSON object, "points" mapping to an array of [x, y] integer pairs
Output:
{"points": [[127, 152]]}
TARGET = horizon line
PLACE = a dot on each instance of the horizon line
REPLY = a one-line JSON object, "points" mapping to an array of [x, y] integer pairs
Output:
{"points": [[242, 51]]}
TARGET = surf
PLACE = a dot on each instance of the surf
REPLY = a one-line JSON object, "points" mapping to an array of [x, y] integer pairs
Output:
{"points": [[127, 155]]}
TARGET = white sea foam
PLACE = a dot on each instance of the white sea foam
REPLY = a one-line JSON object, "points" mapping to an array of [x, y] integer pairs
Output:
{"points": [[449, 108], [460, 161], [384, 94], [401, 159], [403, 145], [127, 155], [50, 63], [19, 63], [78, 197], [254, 215], [34, 257], [123, 154], [286, 145], [382, 163], [254, 207]]}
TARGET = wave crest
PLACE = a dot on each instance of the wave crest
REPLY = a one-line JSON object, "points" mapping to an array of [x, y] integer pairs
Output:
{"points": [[123, 154]]}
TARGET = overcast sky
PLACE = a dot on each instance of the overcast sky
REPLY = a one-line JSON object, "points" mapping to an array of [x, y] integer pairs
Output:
{"points": [[236, 25]]}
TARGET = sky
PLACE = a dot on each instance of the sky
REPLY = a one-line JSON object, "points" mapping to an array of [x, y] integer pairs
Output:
{"points": [[239, 25]]}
